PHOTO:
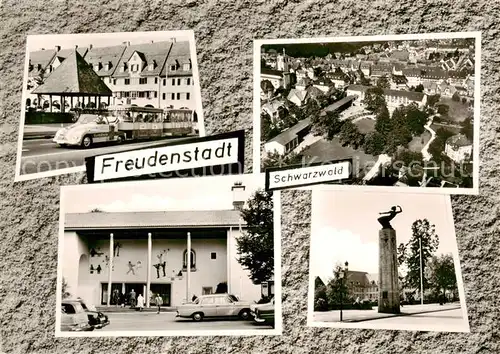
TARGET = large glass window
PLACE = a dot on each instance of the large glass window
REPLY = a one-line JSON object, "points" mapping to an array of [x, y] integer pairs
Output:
{"points": [[193, 260]]}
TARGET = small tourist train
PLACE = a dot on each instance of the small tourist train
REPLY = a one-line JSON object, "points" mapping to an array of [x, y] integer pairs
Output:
{"points": [[126, 123]]}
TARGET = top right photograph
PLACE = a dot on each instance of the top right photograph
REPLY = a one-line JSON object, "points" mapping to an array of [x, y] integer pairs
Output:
{"points": [[403, 109]]}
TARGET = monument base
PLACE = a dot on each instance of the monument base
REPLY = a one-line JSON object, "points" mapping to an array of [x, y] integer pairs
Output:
{"points": [[388, 298]]}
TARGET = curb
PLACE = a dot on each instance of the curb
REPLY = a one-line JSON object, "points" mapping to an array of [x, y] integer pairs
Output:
{"points": [[401, 315]]}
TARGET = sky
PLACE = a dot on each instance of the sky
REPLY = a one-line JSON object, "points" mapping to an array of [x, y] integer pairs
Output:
{"points": [[344, 226], [37, 42], [194, 193]]}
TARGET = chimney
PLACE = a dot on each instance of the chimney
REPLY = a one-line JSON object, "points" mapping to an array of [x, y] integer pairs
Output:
{"points": [[90, 46], [58, 48], [76, 46], [126, 44], [238, 195], [173, 40]]}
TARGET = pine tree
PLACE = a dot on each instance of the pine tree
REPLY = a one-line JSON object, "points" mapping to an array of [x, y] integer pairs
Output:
{"points": [[255, 247]]}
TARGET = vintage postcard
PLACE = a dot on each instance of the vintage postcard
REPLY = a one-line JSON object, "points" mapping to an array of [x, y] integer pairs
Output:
{"points": [[404, 108], [384, 260], [91, 94], [183, 257]]}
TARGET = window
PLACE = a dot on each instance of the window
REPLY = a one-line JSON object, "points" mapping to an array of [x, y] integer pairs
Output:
{"points": [[156, 80], [155, 94], [68, 308], [143, 80], [127, 81], [222, 300], [186, 67], [213, 255], [142, 94], [193, 260], [178, 82], [173, 67], [188, 96], [173, 82], [206, 290], [163, 96], [133, 94], [172, 96], [114, 81], [207, 301], [188, 81], [178, 95], [164, 82]]}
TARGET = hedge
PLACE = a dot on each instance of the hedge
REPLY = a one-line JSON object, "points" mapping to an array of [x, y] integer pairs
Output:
{"points": [[48, 117]]}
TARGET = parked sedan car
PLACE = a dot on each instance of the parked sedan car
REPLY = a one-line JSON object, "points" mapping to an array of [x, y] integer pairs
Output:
{"points": [[264, 313], [215, 306], [96, 318], [73, 317]]}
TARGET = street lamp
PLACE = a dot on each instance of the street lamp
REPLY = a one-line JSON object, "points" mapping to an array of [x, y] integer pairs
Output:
{"points": [[342, 275]]}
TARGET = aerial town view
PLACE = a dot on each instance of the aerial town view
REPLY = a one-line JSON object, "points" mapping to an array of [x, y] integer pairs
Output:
{"points": [[403, 110]]}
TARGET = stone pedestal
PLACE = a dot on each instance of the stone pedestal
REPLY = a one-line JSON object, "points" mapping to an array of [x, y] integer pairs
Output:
{"points": [[388, 282]]}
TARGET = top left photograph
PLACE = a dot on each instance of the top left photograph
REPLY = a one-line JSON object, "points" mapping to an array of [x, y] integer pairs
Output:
{"points": [[91, 94]]}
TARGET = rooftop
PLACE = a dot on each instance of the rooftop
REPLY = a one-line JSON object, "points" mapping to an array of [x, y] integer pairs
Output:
{"points": [[152, 219], [291, 133], [459, 140]]}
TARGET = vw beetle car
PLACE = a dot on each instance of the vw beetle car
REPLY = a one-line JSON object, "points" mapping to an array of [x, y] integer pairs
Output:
{"points": [[264, 313], [88, 130], [216, 305]]}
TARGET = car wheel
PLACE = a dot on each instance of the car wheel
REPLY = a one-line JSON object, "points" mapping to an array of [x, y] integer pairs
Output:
{"points": [[198, 316], [244, 314], [119, 139], [86, 141]]}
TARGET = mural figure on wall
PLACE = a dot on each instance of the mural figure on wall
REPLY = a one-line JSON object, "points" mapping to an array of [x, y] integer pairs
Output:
{"points": [[133, 267], [98, 269], [161, 263], [91, 269], [106, 261], [116, 249]]}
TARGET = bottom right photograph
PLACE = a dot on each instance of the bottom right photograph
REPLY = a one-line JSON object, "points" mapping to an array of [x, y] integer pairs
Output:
{"points": [[384, 260]]}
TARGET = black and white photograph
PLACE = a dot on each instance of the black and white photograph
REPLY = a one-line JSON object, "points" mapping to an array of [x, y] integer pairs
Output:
{"points": [[383, 260], [402, 107], [91, 94], [192, 256]]}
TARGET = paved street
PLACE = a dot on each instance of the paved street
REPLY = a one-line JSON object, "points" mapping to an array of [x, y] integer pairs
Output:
{"points": [[431, 316], [41, 155], [150, 321]]}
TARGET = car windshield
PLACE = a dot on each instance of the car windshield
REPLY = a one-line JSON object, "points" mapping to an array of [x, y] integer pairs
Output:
{"points": [[233, 298], [90, 118]]}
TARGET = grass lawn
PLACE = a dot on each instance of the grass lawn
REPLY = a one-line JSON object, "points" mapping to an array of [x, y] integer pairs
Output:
{"points": [[324, 150], [365, 125], [458, 111], [418, 142]]}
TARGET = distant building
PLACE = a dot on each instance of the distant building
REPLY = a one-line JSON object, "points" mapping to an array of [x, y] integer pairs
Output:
{"points": [[298, 97], [275, 76], [362, 285], [393, 98], [273, 108], [458, 148], [289, 139]]}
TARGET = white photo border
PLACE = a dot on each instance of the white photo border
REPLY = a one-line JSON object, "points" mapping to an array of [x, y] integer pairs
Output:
{"points": [[374, 325], [278, 330], [189, 34], [419, 36]]}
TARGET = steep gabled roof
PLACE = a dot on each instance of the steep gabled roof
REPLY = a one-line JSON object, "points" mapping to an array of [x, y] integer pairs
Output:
{"points": [[155, 52], [180, 54], [42, 58], [74, 76], [105, 55]]}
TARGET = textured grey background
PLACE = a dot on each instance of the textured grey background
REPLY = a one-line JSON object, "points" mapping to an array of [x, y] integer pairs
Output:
{"points": [[224, 32]]}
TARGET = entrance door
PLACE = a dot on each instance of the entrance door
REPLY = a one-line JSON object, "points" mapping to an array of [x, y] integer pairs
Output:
{"points": [[138, 289], [104, 292], [164, 290]]}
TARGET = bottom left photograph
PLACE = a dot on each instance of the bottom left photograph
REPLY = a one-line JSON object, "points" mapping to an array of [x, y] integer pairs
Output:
{"points": [[192, 256]]}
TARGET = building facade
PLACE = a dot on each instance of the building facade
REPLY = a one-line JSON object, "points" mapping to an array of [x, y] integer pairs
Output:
{"points": [[148, 252], [458, 148]]}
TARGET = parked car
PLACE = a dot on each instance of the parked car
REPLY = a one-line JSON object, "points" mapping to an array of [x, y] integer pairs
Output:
{"points": [[264, 313], [96, 318], [215, 306], [74, 317]]}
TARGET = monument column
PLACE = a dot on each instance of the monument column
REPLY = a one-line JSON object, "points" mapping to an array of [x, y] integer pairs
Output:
{"points": [[388, 280]]}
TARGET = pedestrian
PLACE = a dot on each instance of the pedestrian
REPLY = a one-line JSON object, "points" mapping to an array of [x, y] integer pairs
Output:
{"points": [[158, 301], [132, 298], [140, 302]]}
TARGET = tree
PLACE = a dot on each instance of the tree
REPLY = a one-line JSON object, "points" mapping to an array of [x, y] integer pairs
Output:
{"points": [[320, 297], [221, 288], [97, 210], [326, 124], [255, 247], [374, 143], [464, 100], [383, 123], [424, 230], [415, 119], [268, 129], [432, 100], [383, 82], [350, 135], [467, 128], [443, 109], [336, 290], [442, 273], [266, 86], [64, 289], [374, 99], [275, 159], [419, 88], [455, 97]]}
